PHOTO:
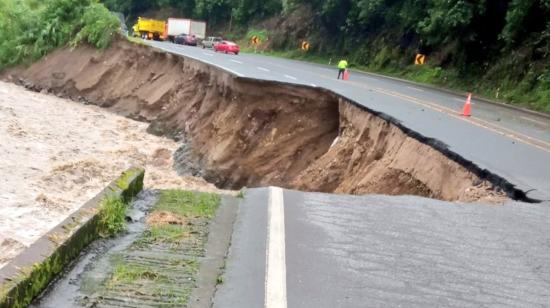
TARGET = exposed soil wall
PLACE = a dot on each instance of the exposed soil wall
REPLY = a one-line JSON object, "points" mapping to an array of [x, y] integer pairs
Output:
{"points": [[244, 132]]}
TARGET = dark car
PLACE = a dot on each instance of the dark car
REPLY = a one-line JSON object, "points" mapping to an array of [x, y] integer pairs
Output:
{"points": [[185, 39]]}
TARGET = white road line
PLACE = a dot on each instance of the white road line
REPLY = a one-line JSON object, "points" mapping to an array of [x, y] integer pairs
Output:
{"points": [[208, 54], [416, 89], [236, 61], [291, 77], [263, 69], [535, 121], [314, 85], [202, 60], [275, 272]]}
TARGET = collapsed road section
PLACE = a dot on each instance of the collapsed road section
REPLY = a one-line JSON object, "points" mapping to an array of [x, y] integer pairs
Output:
{"points": [[244, 132]]}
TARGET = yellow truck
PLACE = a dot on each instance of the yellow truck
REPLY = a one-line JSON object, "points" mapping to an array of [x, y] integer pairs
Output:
{"points": [[149, 28]]}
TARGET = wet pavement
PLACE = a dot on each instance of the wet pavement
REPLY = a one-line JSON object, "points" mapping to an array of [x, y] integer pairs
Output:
{"points": [[381, 251]]}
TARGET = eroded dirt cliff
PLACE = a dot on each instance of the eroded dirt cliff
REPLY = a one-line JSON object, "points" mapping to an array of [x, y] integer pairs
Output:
{"points": [[243, 132]]}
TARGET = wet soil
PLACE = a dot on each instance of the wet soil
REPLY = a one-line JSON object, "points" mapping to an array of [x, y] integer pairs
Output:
{"points": [[243, 132]]}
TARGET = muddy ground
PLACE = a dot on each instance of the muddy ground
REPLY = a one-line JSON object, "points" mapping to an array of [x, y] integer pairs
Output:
{"points": [[243, 132], [56, 154]]}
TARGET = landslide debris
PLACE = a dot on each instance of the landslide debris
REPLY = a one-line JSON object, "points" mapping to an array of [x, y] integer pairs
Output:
{"points": [[241, 132]]}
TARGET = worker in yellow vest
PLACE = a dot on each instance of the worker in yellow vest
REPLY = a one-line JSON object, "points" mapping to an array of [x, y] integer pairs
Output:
{"points": [[342, 66]]}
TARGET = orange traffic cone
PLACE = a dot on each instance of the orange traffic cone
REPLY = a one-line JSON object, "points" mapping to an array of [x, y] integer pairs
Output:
{"points": [[346, 75], [467, 110]]}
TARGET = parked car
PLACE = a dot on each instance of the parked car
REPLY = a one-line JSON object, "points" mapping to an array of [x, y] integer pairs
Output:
{"points": [[185, 39], [210, 41], [227, 47]]}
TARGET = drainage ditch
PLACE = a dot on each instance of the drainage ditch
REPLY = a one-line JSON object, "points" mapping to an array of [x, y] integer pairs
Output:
{"points": [[241, 132]]}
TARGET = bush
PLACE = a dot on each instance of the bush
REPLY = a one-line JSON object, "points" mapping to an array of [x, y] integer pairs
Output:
{"points": [[261, 34], [112, 214], [18, 24], [99, 26], [30, 29]]}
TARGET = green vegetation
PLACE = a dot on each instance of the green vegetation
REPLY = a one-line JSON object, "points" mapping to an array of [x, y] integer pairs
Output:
{"points": [[163, 262], [29, 29], [261, 34], [126, 274], [183, 207], [188, 204], [178, 299], [497, 48], [172, 235], [112, 210], [112, 215], [136, 40]]}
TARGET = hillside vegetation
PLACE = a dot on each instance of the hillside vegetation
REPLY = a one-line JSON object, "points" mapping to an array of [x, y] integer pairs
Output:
{"points": [[498, 48], [29, 29]]}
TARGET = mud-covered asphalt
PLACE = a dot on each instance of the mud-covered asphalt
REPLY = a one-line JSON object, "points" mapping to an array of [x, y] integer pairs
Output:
{"points": [[382, 251], [513, 144]]}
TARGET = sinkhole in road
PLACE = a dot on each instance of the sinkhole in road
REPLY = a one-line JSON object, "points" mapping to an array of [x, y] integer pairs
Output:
{"points": [[239, 132]]}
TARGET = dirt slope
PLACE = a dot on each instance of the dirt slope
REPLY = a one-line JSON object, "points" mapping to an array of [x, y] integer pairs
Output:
{"points": [[248, 133]]}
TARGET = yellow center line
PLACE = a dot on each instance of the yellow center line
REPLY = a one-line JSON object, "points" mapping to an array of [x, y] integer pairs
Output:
{"points": [[537, 143], [477, 122], [535, 121]]}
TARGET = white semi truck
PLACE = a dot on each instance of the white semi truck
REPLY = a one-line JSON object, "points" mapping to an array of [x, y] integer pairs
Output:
{"points": [[177, 26]]}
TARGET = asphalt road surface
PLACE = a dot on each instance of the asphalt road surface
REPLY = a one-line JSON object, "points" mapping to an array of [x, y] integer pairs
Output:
{"points": [[512, 144], [294, 249]]}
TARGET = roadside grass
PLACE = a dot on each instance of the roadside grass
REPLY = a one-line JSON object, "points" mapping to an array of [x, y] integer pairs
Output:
{"points": [[162, 264], [189, 205], [112, 214], [125, 273], [172, 235], [174, 298], [135, 40]]}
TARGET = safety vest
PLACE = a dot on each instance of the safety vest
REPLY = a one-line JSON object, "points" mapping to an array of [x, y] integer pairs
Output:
{"points": [[343, 64]]}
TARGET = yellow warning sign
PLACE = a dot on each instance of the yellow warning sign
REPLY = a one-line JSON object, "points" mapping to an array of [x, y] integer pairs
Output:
{"points": [[420, 59], [255, 40], [305, 45]]}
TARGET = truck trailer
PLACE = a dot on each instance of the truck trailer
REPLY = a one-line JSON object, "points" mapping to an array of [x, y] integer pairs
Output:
{"points": [[178, 26], [198, 29]]}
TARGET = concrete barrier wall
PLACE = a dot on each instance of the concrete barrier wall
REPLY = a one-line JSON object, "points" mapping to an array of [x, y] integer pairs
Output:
{"points": [[26, 276]]}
